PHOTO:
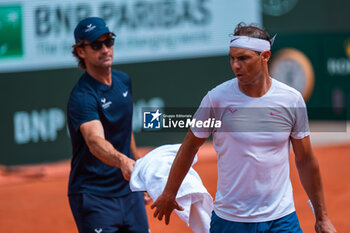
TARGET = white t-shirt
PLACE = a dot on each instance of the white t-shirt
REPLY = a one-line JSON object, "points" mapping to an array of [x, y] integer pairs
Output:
{"points": [[252, 146]]}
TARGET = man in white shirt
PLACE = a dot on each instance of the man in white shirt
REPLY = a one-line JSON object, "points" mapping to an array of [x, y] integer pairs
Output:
{"points": [[260, 117]]}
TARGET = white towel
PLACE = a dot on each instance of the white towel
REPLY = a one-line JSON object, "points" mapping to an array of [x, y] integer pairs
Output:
{"points": [[151, 174]]}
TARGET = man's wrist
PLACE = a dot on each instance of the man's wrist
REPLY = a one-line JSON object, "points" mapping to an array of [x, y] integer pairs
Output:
{"points": [[169, 195], [322, 217], [122, 159]]}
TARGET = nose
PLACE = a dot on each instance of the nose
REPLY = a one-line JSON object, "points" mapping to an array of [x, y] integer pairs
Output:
{"points": [[235, 64], [104, 48]]}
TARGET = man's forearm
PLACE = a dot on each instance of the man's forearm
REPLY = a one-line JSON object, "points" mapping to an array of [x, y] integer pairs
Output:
{"points": [[105, 152], [166, 203], [310, 177], [178, 171], [182, 163]]}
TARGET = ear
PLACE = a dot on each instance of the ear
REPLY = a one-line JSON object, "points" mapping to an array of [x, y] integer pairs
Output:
{"points": [[81, 52], [266, 56]]}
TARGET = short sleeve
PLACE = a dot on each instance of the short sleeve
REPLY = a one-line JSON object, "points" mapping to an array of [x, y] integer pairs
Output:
{"points": [[301, 123], [203, 113], [82, 107]]}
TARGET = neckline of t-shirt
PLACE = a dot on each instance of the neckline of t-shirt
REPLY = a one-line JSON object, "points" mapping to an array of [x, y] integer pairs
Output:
{"points": [[101, 86], [237, 90]]}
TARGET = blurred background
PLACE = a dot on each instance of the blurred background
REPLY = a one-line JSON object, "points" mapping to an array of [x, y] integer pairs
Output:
{"points": [[173, 50]]}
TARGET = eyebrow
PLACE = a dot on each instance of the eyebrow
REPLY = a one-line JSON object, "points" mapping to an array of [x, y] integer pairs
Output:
{"points": [[239, 55]]}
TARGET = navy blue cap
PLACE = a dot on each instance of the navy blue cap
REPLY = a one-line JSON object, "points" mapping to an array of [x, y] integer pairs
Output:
{"points": [[90, 29]]}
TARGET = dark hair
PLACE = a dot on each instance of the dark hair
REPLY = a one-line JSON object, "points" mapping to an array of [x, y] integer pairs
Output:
{"points": [[251, 30], [81, 62]]}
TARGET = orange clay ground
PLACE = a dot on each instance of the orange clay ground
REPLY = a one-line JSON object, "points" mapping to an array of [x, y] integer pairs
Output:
{"points": [[33, 198]]}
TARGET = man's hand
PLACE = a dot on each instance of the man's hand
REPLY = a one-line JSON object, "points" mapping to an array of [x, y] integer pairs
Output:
{"points": [[165, 205], [325, 226], [126, 166]]}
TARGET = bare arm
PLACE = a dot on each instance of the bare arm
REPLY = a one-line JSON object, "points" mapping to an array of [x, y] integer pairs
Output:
{"points": [[310, 177], [93, 134], [166, 202]]}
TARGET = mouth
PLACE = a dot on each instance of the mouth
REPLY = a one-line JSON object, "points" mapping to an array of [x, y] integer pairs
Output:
{"points": [[239, 76], [106, 58]]}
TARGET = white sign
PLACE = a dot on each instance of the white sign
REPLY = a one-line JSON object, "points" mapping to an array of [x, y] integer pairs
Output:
{"points": [[37, 34], [36, 126]]}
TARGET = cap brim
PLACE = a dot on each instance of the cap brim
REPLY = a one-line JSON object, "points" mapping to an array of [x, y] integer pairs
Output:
{"points": [[94, 36]]}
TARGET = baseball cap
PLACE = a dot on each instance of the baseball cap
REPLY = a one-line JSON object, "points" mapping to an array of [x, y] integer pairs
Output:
{"points": [[90, 29]]}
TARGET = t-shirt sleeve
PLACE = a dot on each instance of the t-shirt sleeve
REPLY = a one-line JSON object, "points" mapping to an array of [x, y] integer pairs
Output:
{"points": [[82, 107], [301, 123], [203, 113]]}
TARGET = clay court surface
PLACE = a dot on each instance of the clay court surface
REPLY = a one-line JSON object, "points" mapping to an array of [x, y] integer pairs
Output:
{"points": [[33, 198]]}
